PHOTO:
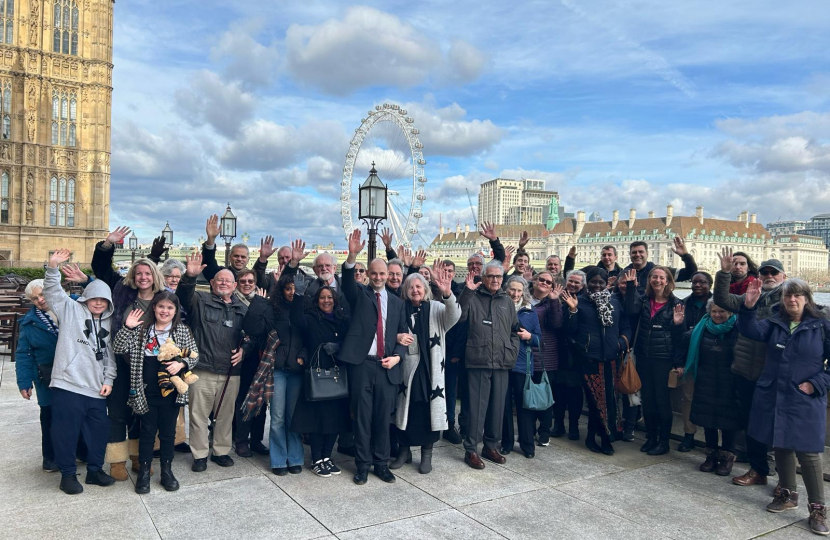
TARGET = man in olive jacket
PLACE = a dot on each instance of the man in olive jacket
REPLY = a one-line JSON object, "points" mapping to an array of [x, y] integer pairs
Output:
{"points": [[215, 319], [749, 356], [492, 346]]}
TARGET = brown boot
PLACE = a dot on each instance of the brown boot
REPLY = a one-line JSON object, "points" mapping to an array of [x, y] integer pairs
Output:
{"points": [[711, 461], [725, 462], [119, 471], [787, 500], [751, 478], [818, 519], [137, 465]]}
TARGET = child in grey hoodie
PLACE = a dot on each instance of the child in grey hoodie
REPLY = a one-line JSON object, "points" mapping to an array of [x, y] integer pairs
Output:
{"points": [[82, 375]]}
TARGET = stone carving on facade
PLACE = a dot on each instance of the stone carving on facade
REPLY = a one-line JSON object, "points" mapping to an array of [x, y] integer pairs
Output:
{"points": [[30, 208], [30, 154], [64, 159], [5, 152], [42, 158], [31, 122], [18, 153], [35, 17]]}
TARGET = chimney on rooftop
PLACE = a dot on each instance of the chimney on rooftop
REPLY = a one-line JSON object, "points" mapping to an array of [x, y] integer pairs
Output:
{"points": [[632, 216], [699, 214], [753, 218], [615, 218], [669, 215], [467, 228], [580, 217], [651, 214]]}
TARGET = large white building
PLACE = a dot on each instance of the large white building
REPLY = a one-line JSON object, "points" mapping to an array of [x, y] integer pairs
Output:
{"points": [[515, 202], [779, 227]]}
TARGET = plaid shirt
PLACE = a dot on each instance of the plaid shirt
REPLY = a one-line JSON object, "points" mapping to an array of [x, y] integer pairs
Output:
{"points": [[262, 387]]}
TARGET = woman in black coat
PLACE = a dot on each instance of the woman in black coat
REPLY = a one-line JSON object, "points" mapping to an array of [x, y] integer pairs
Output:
{"points": [[709, 350], [264, 316], [323, 328], [658, 334], [597, 324]]}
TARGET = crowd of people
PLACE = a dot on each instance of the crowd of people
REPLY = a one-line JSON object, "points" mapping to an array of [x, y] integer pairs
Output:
{"points": [[375, 359]]}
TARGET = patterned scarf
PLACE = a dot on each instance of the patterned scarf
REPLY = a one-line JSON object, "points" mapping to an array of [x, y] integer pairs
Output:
{"points": [[602, 300], [262, 387], [47, 320]]}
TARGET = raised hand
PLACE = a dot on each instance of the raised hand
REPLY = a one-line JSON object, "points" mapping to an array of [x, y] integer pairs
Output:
{"points": [[117, 236], [58, 257], [571, 300], [470, 282], [679, 246], [611, 281], [679, 314], [420, 258], [72, 273], [556, 291], [523, 239], [631, 275], [508, 253], [193, 263], [572, 253], [441, 277], [212, 229], [528, 274], [405, 255], [753, 293], [726, 259], [488, 230], [134, 318], [158, 248], [386, 237], [266, 248], [261, 292], [355, 244], [298, 250]]}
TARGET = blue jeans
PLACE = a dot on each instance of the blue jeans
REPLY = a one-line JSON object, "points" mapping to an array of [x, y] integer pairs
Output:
{"points": [[286, 447]]}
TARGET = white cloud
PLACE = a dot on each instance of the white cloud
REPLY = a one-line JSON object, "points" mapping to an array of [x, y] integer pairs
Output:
{"points": [[210, 100], [369, 47], [446, 132], [244, 58]]}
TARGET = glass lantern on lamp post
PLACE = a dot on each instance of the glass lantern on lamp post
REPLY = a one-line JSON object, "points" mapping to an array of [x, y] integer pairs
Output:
{"points": [[133, 243], [167, 233], [372, 207], [227, 226]]}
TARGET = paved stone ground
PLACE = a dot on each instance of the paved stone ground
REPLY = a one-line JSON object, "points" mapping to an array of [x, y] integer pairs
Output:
{"points": [[565, 492]]}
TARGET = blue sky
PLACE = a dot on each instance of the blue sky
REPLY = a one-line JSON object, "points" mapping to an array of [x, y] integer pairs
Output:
{"points": [[616, 104]]}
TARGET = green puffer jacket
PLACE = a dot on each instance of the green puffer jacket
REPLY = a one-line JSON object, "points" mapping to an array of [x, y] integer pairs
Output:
{"points": [[750, 355], [493, 344]]}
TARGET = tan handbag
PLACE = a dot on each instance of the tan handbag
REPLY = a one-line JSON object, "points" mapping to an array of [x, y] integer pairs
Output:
{"points": [[629, 382]]}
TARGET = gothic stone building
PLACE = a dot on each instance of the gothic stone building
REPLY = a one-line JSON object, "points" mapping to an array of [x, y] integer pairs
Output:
{"points": [[55, 118]]}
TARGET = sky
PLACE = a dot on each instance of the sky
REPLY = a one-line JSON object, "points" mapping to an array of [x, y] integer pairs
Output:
{"points": [[617, 104]]}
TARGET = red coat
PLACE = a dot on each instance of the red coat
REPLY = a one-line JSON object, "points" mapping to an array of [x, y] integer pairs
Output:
{"points": [[740, 288]]}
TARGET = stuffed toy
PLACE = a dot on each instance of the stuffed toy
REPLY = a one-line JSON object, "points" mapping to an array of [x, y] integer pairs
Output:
{"points": [[170, 352]]}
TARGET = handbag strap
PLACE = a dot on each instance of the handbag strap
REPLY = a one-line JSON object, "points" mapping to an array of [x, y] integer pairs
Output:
{"points": [[627, 344], [528, 361], [316, 356]]}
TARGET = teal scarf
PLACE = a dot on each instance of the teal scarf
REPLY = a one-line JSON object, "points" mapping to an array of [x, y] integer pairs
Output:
{"points": [[697, 336]]}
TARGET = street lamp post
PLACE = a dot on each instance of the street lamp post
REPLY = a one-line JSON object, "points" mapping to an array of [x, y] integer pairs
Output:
{"points": [[167, 233], [227, 226], [372, 207], [133, 245]]}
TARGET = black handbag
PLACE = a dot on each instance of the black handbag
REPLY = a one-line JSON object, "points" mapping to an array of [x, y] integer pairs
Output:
{"points": [[323, 384]]}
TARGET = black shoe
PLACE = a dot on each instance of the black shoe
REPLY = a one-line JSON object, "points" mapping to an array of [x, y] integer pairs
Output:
{"points": [[50, 466], [295, 469], [592, 445], [607, 449], [558, 431], [628, 435], [543, 441], [222, 461], [168, 481], [99, 478], [346, 450], [573, 434], [529, 455], [319, 468], [504, 451], [659, 449], [687, 444], [142, 482], [70, 484], [199, 465], [333, 469], [383, 472], [360, 477], [280, 471], [649, 445], [182, 447], [452, 435], [260, 448], [243, 450]]}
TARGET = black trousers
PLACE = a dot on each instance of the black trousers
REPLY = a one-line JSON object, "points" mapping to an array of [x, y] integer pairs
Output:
{"points": [[254, 428], [525, 418], [74, 415], [451, 389], [321, 445], [567, 398], [727, 439], [47, 448], [119, 413], [373, 401], [656, 396], [756, 452], [161, 419]]}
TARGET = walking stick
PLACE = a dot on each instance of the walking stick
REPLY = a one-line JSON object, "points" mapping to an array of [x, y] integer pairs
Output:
{"points": [[225, 387]]}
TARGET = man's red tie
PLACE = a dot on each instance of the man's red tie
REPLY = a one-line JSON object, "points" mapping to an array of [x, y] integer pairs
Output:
{"points": [[380, 327]]}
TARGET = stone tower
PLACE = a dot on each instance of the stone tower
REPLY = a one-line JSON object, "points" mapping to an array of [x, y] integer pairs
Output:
{"points": [[55, 122]]}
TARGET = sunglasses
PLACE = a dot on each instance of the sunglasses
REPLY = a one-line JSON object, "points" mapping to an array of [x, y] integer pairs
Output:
{"points": [[246, 281], [545, 281], [359, 271], [769, 272]]}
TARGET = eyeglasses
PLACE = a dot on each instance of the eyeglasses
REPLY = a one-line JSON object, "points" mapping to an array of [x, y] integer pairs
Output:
{"points": [[223, 280], [359, 271], [545, 281], [769, 272], [494, 277], [246, 281]]}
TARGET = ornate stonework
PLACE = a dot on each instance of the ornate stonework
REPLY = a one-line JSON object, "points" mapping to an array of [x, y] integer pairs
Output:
{"points": [[38, 74]]}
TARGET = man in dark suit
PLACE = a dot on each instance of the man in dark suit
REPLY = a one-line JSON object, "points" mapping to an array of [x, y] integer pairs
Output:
{"points": [[371, 348]]}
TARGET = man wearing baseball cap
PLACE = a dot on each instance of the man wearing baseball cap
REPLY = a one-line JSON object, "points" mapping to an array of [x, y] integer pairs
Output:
{"points": [[749, 358]]}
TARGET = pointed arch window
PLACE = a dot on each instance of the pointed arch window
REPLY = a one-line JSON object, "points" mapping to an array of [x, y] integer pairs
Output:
{"points": [[62, 202], [64, 117], [6, 108], [4, 197], [66, 22], [6, 21]]}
